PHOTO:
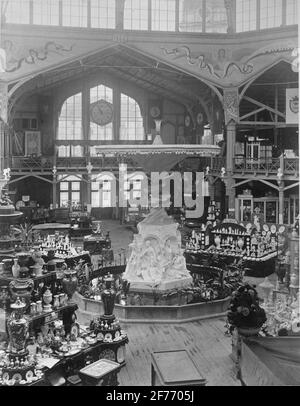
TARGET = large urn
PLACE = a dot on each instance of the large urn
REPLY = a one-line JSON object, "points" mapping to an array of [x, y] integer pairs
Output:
{"points": [[17, 326], [70, 282], [21, 288], [108, 296]]}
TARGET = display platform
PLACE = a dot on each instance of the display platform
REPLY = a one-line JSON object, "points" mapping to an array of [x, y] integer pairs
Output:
{"points": [[270, 361], [89, 308]]}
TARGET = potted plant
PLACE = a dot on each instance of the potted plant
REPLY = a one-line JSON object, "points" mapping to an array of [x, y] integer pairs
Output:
{"points": [[244, 313]]}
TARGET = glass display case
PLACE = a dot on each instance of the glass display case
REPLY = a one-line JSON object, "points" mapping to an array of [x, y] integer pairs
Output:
{"points": [[245, 207]]}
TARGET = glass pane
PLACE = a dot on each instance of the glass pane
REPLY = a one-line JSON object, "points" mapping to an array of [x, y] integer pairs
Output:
{"points": [[271, 215], [216, 16], [70, 119], [63, 199], [163, 15], [75, 197], [18, 11], [64, 185], [246, 210], [46, 12], [136, 15], [131, 124], [291, 12], [75, 185], [74, 13], [245, 15], [95, 199], [286, 212], [190, 15], [103, 14], [270, 13]]}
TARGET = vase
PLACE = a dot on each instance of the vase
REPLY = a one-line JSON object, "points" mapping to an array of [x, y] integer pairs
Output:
{"points": [[108, 297], [217, 241], [21, 288], [70, 282], [16, 268], [51, 261], [1, 268], [47, 297], [240, 243], [17, 327], [56, 302], [7, 265]]}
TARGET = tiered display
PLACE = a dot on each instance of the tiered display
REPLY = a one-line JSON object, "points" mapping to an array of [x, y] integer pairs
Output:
{"points": [[236, 240], [17, 365], [8, 216], [107, 327], [60, 244]]}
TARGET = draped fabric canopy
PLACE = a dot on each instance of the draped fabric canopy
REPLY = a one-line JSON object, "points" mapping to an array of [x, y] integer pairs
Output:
{"points": [[158, 162], [271, 361]]}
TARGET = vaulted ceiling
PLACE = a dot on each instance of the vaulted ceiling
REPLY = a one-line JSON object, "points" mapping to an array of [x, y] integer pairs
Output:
{"points": [[130, 66]]}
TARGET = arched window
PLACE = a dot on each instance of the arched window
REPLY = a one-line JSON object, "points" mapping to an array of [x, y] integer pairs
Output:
{"points": [[101, 132], [131, 123], [69, 191], [136, 15], [70, 119]]}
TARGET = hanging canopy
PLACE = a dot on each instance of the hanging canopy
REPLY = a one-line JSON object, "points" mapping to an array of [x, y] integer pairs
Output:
{"points": [[271, 361]]}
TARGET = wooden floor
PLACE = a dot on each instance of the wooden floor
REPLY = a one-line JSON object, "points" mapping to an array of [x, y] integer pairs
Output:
{"points": [[204, 340]]}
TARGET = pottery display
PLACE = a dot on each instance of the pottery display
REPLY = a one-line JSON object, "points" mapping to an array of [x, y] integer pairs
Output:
{"points": [[17, 326], [70, 282]]}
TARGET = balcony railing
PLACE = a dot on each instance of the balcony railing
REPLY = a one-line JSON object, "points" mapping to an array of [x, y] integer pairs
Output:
{"points": [[266, 166]]}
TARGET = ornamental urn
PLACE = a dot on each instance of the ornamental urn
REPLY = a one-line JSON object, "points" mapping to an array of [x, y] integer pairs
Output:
{"points": [[47, 296], [21, 288], [108, 296], [17, 327], [70, 282]]}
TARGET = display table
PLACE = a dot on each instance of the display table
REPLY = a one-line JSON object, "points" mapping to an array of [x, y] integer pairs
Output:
{"points": [[100, 373], [46, 227], [258, 267], [174, 368]]}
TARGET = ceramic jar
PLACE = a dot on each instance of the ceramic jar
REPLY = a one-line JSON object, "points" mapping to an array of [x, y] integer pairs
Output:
{"points": [[17, 327], [56, 302], [70, 282], [1, 268], [39, 307], [21, 288], [47, 296], [108, 297]]}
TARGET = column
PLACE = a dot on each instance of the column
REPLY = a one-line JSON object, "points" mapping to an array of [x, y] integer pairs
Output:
{"points": [[3, 123], [54, 194], [231, 113], [281, 203], [231, 19]]}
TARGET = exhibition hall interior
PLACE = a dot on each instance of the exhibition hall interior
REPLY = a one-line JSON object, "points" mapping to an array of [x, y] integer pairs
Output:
{"points": [[149, 193]]}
